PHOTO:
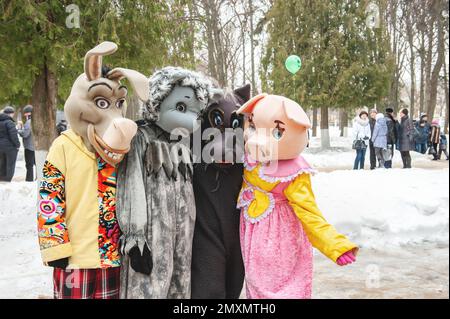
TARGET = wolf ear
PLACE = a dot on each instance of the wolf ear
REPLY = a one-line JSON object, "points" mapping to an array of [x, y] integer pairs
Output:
{"points": [[248, 107], [93, 59], [243, 92], [138, 81]]}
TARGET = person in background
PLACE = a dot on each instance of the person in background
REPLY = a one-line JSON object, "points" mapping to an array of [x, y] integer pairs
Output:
{"points": [[405, 138], [28, 142], [61, 126], [379, 138], [391, 123], [361, 132], [9, 144], [372, 120], [435, 133], [422, 132], [443, 146]]}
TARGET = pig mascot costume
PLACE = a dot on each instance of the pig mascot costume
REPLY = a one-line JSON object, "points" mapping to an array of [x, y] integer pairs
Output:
{"points": [[77, 224], [280, 220]]}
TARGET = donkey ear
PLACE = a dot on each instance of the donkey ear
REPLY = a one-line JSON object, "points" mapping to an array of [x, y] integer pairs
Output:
{"points": [[216, 94], [93, 59], [249, 105], [138, 81], [243, 92], [295, 113]]}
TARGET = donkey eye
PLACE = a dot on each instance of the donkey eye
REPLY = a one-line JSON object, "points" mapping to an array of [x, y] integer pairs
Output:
{"points": [[235, 124], [102, 103], [181, 107], [119, 103]]}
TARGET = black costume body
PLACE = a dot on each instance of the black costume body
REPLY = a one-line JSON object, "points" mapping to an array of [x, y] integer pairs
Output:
{"points": [[156, 209], [217, 266]]}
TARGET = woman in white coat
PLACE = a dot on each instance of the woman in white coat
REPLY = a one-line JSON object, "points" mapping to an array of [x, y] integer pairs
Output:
{"points": [[361, 138]]}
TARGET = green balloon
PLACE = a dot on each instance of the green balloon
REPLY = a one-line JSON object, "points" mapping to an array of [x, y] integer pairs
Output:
{"points": [[293, 63]]}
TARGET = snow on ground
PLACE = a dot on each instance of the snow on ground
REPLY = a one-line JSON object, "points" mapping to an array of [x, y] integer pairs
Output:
{"points": [[400, 218]]}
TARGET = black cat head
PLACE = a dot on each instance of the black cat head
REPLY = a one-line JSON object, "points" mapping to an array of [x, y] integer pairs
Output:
{"points": [[222, 116]]}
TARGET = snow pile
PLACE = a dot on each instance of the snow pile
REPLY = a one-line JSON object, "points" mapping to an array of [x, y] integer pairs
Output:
{"points": [[385, 208], [22, 274]]}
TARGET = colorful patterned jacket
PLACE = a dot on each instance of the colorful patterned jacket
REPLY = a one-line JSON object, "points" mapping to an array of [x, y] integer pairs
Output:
{"points": [[77, 206]]}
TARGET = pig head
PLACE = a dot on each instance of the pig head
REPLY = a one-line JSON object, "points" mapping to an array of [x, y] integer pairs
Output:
{"points": [[275, 128], [96, 105]]}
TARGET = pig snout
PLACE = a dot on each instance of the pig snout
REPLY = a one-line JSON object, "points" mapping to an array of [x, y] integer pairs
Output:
{"points": [[119, 134]]}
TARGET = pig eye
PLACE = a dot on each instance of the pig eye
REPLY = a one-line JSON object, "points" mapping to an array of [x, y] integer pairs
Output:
{"points": [[277, 133], [181, 107], [102, 103], [119, 103]]}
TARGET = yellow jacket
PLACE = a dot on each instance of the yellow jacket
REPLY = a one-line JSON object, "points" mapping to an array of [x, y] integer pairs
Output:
{"points": [[300, 196], [76, 211]]}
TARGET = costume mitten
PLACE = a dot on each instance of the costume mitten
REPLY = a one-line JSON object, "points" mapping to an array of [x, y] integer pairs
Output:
{"points": [[141, 263], [59, 263], [346, 258]]}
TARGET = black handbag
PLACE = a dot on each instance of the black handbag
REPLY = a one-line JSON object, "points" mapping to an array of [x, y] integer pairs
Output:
{"points": [[358, 144]]}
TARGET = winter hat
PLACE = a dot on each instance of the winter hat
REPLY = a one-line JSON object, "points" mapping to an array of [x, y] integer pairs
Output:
{"points": [[379, 116], [389, 110], [362, 113], [28, 109], [435, 122], [9, 110], [373, 111]]}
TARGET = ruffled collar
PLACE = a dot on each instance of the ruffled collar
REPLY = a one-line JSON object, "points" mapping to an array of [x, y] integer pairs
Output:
{"points": [[280, 171]]}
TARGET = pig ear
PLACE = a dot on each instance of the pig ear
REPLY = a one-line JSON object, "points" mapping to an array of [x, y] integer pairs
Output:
{"points": [[295, 113], [138, 81], [243, 92], [93, 59], [249, 106]]}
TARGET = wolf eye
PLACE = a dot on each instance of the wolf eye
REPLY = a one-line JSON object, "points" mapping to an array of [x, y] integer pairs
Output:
{"points": [[119, 103], [277, 133], [181, 107], [102, 103]]}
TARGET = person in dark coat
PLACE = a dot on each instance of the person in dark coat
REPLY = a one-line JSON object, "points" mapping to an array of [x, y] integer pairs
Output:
{"points": [[405, 138], [9, 144], [422, 130], [391, 123], [435, 133], [26, 133], [372, 121], [443, 146], [217, 265]]}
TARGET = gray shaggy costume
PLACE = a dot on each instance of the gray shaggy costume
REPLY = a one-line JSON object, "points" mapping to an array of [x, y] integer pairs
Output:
{"points": [[155, 199]]}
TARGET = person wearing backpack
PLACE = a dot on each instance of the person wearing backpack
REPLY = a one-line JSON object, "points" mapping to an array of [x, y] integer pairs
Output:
{"points": [[361, 134], [435, 134]]}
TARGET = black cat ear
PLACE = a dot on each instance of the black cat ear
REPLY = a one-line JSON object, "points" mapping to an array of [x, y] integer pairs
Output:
{"points": [[243, 92]]}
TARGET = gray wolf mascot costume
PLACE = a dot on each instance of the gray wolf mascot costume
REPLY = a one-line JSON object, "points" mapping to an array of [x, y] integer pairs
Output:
{"points": [[155, 198]]}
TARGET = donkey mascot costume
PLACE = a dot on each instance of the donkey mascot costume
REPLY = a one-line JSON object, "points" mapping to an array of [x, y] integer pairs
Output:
{"points": [[156, 206], [77, 224]]}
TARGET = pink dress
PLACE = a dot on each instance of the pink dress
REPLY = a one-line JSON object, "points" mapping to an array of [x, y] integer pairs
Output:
{"points": [[276, 251]]}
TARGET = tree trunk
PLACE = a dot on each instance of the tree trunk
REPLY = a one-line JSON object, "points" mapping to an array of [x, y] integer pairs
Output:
{"points": [[252, 48], [447, 109], [314, 122], [324, 130], [43, 99], [343, 123], [434, 80], [412, 69]]}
